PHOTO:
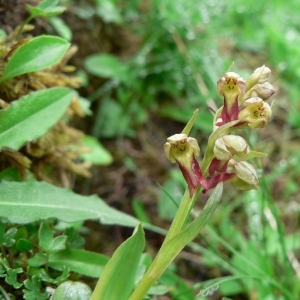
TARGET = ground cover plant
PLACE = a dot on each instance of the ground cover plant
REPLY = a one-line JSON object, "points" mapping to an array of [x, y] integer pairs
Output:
{"points": [[150, 81]]}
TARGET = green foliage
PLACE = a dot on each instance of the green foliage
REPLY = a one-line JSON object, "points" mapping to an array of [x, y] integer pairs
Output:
{"points": [[81, 261], [124, 264], [37, 54], [175, 52], [40, 200], [107, 66], [19, 122], [33, 289], [98, 155], [45, 8], [72, 291]]}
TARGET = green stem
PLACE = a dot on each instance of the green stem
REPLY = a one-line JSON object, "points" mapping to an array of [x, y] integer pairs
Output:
{"points": [[182, 213], [22, 27], [177, 238], [157, 268]]}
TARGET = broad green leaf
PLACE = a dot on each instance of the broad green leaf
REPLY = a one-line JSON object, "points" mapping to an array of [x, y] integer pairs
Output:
{"points": [[32, 116], [98, 155], [107, 66], [25, 202], [117, 280], [39, 53], [81, 261], [70, 290]]}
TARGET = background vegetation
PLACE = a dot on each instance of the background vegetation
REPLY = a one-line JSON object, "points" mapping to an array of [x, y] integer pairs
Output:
{"points": [[145, 67]]}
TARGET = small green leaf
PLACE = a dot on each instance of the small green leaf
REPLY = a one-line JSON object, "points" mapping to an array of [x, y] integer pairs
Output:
{"points": [[99, 155], [59, 279], [80, 261], [39, 53], [45, 236], [108, 11], [11, 277], [38, 260], [33, 289], [23, 245], [47, 4], [59, 243], [25, 202], [72, 291], [117, 280], [8, 239], [10, 174], [49, 12], [62, 28], [48, 243], [107, 66], [158, 290], [30, 117]]}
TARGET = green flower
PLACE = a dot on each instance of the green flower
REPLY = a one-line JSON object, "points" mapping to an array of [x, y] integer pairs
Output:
{"points": [[182, 149], [257, 113]]}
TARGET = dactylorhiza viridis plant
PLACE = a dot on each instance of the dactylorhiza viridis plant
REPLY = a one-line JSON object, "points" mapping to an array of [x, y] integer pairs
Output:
{"points": [[225, 160]]}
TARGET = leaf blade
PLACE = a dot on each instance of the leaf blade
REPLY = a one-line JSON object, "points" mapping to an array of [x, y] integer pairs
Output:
{"points": [[84, 262], [25, 202], [39, 53], [30, 117], [127, 256]]}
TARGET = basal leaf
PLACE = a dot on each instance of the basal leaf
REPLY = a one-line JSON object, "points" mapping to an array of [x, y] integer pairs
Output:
{"points": [[25, 202], [80, 261], [117, 280], [39, 53], [30, 117]]}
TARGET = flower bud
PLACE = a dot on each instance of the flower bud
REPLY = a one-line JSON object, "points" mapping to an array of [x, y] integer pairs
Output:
{"points": [[182, 149], [263, 91], [245, 175], [259, 76], [256, 113], [229, 145]]}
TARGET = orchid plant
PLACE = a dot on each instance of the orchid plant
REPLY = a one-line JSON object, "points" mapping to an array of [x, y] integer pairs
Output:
{"points": [[225, 160]]}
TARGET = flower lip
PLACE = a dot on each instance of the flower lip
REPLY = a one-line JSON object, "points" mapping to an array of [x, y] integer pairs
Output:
{"points": [[231, 82], [182, 149]]}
